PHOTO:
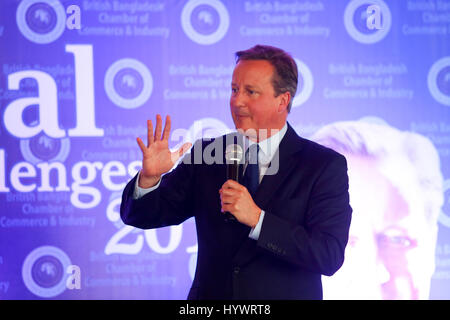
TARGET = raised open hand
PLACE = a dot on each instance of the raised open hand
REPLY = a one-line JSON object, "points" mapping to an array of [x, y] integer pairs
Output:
{"points": [[157, 158]]}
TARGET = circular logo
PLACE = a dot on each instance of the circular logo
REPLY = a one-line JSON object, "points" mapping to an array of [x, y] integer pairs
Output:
{"points": [[112, 211], [44, 271], [41, 21], [439, 81], [43, 148], [205, 21], [443, 218], [305, 84], [128, 83], [355, 21]]}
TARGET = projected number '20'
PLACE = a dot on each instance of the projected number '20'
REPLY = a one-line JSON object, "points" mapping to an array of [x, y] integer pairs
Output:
{"points": [[115, 244], [203, 128]]}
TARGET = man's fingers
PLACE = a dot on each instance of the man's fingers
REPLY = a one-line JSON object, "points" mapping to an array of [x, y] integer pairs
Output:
{"points": [[158, 128], [149, 133], [141, 144], [227, 199], [179, 153], [232, 184], [227, 208], [185, 147], [166, 132], [227, 192]]}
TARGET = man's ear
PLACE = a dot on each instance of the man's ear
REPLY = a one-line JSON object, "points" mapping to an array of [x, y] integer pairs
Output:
{"points": [[285, 98]]}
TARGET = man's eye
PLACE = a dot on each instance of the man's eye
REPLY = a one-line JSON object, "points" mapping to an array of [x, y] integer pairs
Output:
{"points": [[396, 241], [251, 92], [234, 90]]}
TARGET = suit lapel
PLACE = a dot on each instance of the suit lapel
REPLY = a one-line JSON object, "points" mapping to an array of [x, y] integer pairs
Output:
{"points": [[289, 146]]}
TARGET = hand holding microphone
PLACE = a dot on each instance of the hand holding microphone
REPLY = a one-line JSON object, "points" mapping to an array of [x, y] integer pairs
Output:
{"points": [[233, 159], [236, 201]]}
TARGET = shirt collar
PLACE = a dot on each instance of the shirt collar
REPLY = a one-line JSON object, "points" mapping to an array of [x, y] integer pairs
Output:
{"points": [[270, 145]]}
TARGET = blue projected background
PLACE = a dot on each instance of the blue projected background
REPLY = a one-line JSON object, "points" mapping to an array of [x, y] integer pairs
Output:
{"points": [[78, 79]]}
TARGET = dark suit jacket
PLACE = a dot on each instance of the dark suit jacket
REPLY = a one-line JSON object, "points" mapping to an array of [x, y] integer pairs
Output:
{"points": [[303, 235]]}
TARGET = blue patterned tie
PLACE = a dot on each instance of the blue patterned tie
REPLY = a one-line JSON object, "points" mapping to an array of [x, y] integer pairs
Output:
{"points": [[251, 175]]}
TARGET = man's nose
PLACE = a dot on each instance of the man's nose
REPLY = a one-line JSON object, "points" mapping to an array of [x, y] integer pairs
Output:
{"points": [[237, 100]]}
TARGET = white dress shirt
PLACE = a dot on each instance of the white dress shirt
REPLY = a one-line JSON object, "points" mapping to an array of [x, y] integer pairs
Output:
{"points": [[267, 150]]}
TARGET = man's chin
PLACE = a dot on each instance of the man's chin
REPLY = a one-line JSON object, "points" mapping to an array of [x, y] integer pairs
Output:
{"points": [[247, 131]]}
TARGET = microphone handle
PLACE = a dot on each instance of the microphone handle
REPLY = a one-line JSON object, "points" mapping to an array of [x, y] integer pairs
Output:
{"points": [[233, 174]]}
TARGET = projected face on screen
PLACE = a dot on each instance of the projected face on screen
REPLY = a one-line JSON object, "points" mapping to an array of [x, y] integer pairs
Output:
{"points": [[391, 248], [390, 252]]}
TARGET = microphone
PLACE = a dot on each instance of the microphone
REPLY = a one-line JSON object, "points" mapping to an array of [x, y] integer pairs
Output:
{"points": [[233, 159]]}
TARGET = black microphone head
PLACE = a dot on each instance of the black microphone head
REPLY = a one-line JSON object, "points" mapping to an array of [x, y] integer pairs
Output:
{"points": [[233, 154]]}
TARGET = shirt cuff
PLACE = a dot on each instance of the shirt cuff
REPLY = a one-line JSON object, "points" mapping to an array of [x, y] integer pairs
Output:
{"points": [[140, 192], [254, 233]]}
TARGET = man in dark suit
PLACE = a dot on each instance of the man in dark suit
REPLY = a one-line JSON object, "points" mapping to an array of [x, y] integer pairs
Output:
{"points": [[290, 226]]}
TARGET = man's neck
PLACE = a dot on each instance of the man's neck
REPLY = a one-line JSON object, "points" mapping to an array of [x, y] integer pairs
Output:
{"points": [[268, 133], [262, 134]]}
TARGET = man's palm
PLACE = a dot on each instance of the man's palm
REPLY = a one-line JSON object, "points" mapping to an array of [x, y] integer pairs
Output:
{"points": [[157, 158]]}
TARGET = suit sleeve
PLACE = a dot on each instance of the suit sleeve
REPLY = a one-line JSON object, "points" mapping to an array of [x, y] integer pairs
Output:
{"points": [[169, 204], [318, 244]]}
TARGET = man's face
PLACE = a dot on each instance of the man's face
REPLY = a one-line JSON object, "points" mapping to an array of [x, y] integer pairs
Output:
{"points": [[253, 103], [390, 254]]}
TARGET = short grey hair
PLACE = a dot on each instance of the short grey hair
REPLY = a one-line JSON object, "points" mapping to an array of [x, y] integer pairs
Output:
{"points": [[381, 141]]}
